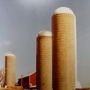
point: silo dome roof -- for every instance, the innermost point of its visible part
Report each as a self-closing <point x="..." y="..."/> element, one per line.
<point x="63" y="10"/>
<point x="9" y="54"/>
<point x="44" y="33"/>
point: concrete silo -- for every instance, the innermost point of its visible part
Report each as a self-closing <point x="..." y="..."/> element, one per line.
<point x="44" y="61"/>
<point x="64" y="49"/>
<point x="10" y="70"/>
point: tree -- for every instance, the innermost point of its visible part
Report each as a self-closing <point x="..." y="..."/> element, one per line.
<point x="2" y="76"/>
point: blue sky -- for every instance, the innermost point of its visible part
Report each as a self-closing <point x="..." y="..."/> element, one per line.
<point x="22" y="20"/>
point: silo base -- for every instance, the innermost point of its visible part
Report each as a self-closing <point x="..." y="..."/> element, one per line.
<point x="12" y="88"/>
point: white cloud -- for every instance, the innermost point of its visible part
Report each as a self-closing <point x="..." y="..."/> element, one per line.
<point x="79" y="62"/>
<point x="5" y="43"/>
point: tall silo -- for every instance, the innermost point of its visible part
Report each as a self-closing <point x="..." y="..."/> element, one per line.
<point x="64" y="49"/>
<point x="10" y="69"/>
<point x="44" y="61"/>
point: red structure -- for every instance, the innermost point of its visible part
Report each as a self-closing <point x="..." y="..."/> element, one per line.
<point x="28" y="81"/>
<point x="33" y="80"/>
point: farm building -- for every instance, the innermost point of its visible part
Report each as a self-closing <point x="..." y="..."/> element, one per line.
<point x="28" y="81"/>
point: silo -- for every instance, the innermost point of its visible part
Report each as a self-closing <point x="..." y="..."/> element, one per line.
<point x="64" y="49"/>
<point x="10" y="70"/>
<point x="44" y="61"/>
